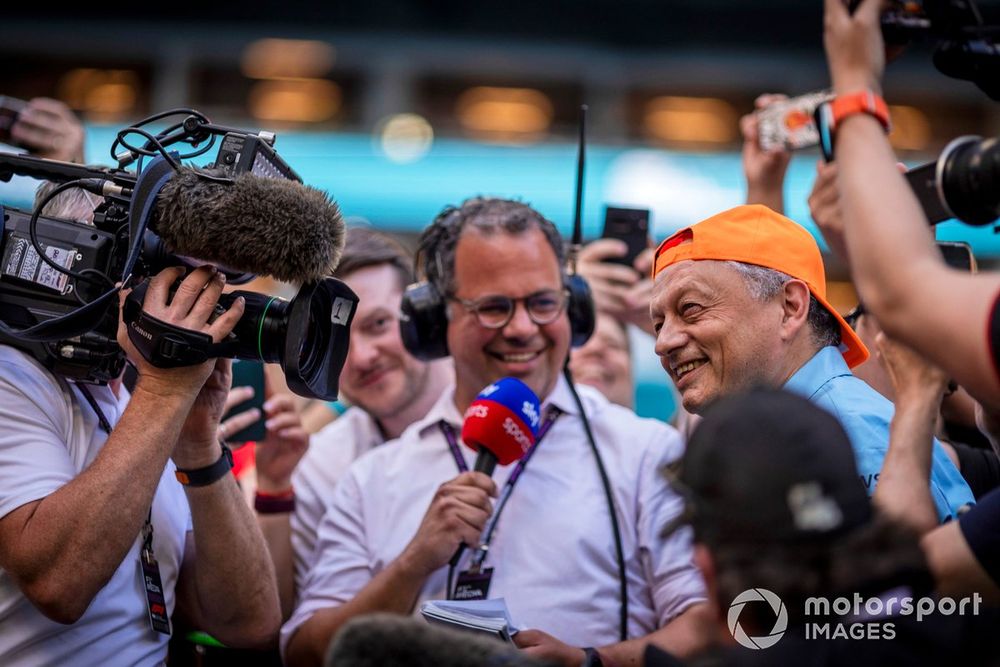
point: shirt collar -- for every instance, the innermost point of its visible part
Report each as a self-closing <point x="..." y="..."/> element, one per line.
<point x="824" y="365"/>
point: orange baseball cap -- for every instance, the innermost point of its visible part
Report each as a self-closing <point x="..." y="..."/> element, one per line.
<point x="754" y="234"/>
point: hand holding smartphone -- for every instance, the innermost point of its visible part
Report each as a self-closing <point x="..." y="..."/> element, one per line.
<point x="246" y="374"/>
<point x="630" y="225"/>
<point x="789" y="124"/>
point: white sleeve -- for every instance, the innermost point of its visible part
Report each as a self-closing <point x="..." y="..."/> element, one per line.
<point x="34" y="458"/>
<point x="676" y="581"/>
<point x="341" y="565"/>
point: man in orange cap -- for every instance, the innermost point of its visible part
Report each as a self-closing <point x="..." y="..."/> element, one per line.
<point x="739" y="301"/>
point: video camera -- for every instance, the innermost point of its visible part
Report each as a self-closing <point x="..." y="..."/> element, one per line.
<point x="966" y="48"/>
<point x="963" y="183"/>
<point x="58" y="279"/>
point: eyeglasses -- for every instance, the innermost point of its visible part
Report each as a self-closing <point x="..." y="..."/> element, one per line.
<point x="852" y="317"/>
<point x="496" y="311"/>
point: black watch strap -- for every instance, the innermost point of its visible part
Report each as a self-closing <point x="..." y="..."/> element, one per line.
<point x="592" y="657"/>
<point x="208" y="474"/>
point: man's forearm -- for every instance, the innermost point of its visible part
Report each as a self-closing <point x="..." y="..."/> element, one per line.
<point x="233" y="593"/>
<point x="903" y="489"/>
<point x="394" y="589"/>
<point x="68" y="545"/>
<point x="684" y="636"/>
<point x="277" y="532"/>
<point x="887" y="251"/>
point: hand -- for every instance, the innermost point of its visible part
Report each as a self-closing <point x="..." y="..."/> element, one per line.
<point x="240" y="420"/>
<point x="824" y="205"/>
<point x="912" y="375"/>
<point x="764" y="170"/>
<point x="854" y="48"/>
<point x="457" y="515"/>
<point x="284" y="445"/>
<point x="208" y="383"/>
<point x="544" y="646"/>
<point x="49" y="129"/>
<point x="618" y="290"/>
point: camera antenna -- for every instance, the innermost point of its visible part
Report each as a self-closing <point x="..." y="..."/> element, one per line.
<point x="576" y="242"/>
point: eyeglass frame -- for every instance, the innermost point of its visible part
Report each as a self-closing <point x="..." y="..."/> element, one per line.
<point x="473" y="305"/>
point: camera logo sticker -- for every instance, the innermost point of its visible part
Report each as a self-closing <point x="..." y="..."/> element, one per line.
<point x="757" y="595"/>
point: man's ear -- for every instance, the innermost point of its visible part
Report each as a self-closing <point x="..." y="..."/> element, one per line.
<point x="795" y="306"/>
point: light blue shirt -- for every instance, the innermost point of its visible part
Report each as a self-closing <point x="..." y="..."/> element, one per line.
<point x="865" y="414"/>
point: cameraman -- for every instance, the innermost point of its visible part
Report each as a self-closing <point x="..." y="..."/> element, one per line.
<point x="948" y="316"/>
<point x="88" y="489"/>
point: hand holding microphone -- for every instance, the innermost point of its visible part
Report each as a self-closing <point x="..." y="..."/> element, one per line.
<point x="501" y="425"/>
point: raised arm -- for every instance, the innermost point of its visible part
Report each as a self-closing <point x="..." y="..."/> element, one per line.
<point x="899" y="273"/>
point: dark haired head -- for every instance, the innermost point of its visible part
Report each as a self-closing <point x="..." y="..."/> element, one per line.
<point x="366" y="247"/>
<point x="488" y="216"/>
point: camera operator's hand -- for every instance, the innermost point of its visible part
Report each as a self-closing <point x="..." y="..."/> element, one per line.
<point x="764" y="170"/>
<point x="207" y="383"/>
<point x="49" y="129"/>
<point x="854" y="48"/>
<point x="284" y="445"/>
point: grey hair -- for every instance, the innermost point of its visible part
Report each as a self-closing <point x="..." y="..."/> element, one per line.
<point x="73" y="204"/>
<point x="489" y="216"/>
<point x="764" y="284"/>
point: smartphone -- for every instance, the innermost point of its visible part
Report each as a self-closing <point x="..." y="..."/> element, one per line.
<point x="958" y="255"/>
<point x="630" y="225"/>
<point x="248" y="374"/>
<point x="789" y="124"/>
<point x="10" y="109"/>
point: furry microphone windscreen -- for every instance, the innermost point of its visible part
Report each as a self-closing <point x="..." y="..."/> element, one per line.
<point x="267" y="226"/>
<point x="379" y="640"/>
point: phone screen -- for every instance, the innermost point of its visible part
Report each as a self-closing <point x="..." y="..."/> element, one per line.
<point x="249" y="374"/>
<point x="630" y="225"/>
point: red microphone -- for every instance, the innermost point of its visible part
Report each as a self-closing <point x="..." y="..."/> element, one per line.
<point x="501" y="424"/>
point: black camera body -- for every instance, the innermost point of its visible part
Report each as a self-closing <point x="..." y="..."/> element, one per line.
<point x="963" y="183"/>
<point x="966" y="48"/>
<point x="58" y="293"/>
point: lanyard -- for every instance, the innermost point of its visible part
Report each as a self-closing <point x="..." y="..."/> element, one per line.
<point x="456" y="452"/>
<point x="147" y="560"/>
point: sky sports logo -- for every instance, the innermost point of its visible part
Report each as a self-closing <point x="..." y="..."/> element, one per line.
<point x="856" y="617"/>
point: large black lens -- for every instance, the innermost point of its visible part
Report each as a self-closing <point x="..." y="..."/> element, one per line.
<point x="969" y="178"/>
<point x="308" y="336"/>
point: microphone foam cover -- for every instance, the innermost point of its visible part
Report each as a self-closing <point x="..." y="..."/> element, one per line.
<point x="504" y="419"/>
<point x="267" y="226"/>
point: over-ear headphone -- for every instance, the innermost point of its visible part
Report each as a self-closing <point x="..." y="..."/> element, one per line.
<point x="424" y="322"/>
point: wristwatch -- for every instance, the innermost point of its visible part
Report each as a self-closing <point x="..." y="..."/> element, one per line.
<point x="208" y="474"/>
<point x="591" y="657"/>
<point x="830" y="114"/>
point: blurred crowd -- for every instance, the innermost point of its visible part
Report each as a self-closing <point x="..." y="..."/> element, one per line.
<point x="826" y="493"/>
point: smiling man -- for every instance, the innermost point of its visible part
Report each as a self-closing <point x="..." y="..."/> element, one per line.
<point x="401" y="512"/>
<point x="387" y="388"/>
<point x="739" y="301"/>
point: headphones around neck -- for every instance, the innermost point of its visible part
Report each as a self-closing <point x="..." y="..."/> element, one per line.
<point x="424" y="322"/>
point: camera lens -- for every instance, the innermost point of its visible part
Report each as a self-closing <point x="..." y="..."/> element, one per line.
<point x="969" y="178"/>
<point x="308" y="336"/>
